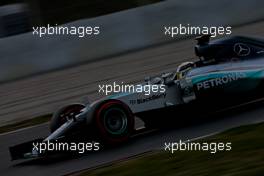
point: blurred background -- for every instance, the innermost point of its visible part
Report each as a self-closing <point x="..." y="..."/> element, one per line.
<point x="124" y="26"/>
<point x="18" y="16"/>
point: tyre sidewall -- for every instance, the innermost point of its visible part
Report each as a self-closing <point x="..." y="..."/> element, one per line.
<point x="104" y="135"/>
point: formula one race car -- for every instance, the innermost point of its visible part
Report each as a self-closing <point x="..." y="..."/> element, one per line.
<point x="229" y="71"/>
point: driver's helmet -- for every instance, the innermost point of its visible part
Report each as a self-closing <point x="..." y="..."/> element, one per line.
<point x="183" y="69"/>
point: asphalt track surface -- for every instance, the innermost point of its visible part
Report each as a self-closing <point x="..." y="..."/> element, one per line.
<point x="45" y="92"/>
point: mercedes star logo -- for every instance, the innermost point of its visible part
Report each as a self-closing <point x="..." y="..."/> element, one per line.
<point x="241" y="49"/>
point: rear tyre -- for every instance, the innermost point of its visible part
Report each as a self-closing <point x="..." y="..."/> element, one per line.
<point x="60" y="117"/>
<point x="114" y="122"/>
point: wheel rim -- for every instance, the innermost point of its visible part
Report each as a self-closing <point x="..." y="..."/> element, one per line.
<point x="115" y="121"/>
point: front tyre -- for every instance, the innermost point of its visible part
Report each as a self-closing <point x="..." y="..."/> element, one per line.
<point x="60" y="117"/>
<point x="114" y="122"/>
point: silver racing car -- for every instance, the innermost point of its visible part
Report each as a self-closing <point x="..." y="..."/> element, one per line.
<point x="229" y="71"/>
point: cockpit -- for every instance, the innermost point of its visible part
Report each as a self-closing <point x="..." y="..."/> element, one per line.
<point x="214" y="53"/>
